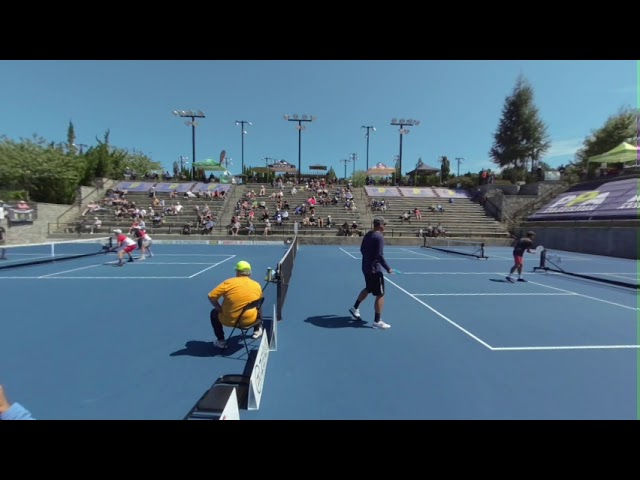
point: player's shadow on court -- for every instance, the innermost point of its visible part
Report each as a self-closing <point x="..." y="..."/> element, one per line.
<point x="333" y="321"/>
<point x="198" y="348"/>
<point x="499" y="280"/>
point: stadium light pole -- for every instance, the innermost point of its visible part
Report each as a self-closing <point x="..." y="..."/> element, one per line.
<point x="459" y="160"/>
<point x="192" y="114"/>
<point x="353" y="157"/>
<point x="368" y="127"/>
<point x="242" y="123"/>
<point x="403" y="131"/>
<point x="299" y="119"/>
<point x="345" y="161"/>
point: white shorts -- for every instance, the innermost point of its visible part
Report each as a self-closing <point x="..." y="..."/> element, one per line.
<point x="146" y="242"/>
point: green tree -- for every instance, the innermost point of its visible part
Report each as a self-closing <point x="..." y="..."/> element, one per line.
<point x="71" y="138"/>
<point x="618" y="128"/>
<point x="521" y="136"/>
<point x="445" y="168"/>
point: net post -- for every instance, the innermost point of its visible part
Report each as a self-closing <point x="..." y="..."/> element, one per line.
<point x="543" y="261"/>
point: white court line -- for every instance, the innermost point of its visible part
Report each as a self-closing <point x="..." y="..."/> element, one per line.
<point x="144" y="262"/>
<point x="453" y="273"/>
<point x="93" y="278"/>
<point x="418" y="253"/>
<point x="209" y="268"/>
<point x="568" y="347"/>
<point x="349" y="253"/>
<point x="190" y="255"/>
<point x="480" y="341"/>
<point x="67" y="271"/>
<point x="543" y="294"/>
<point x="584" y="296"/>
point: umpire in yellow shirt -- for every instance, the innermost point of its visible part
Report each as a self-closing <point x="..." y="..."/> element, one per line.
<point x="236" y="292"/>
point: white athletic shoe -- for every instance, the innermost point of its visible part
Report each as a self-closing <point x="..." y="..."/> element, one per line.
<point x="257" y="334"/>
<point x="219" y="343"/>
<point x="381" y="325"/>
<point x="355" y="312"/>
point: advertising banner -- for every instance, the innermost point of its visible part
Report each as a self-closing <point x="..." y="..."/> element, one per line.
<point x="611" y="200"/>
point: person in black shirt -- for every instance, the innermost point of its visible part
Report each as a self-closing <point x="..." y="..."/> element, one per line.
<point x="524" y="244"/>
<point x="373" y="263"/>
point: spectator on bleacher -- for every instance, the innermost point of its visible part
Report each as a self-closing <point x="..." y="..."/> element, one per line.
<point x="208" y="227"/>
<point x="329" y="221"/>
<point x="235" y="227"/>
<point x="263" y="191"/>
<point x="155" y="202"/>
<point x="173" y="194"/>
<point x="152" y="192"/>
<point x="285" y="214"/>
<point x="417" y="213"/>
<point x="267" y="227"/>
<point x="96" y="225"/>
<point x="439" y="209"/>
<point x="406" y="217"/>
<point x="278" y="218"/>
<point x="91" y="207"/>
<point x="294" y="190"/>
<point x="440" y="231"/>
<point x="177" y="208"/>
<point x="251" y="229"/>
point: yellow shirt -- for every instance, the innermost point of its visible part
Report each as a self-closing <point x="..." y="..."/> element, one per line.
<point x="237" y="292"/>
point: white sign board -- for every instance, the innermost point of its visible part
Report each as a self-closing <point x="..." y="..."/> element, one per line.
<point x="273" y="345"/>
<point x="258" y="373"/>
<point x="231" y="410"/>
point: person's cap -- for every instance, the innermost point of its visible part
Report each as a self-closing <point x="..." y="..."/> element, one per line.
<point x="379" y="221"/>
<point x="530" y="233"/>
<point x="243" y="266"/>
<point x="117" y="230"/>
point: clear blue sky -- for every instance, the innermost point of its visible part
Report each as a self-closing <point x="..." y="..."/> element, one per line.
<point x="457" y="102"/>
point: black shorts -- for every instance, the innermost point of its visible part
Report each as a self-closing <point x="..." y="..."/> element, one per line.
<point x="374" y="283"/>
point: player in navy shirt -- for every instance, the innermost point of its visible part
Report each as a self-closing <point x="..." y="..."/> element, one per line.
<point x="373" y="266"/>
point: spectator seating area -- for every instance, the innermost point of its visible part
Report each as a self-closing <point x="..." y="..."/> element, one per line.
<point x="335" y="216"/>
<point x="168" y="208"/>
<point x="459" y="216"/>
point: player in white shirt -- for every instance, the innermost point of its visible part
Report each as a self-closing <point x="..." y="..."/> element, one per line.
<point x="125" y="245"/>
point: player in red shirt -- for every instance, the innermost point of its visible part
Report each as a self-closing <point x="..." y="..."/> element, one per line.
<point x="125" y="245"/>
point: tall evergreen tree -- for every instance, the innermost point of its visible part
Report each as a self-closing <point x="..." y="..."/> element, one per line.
<point x="71" y="138"/>
<point x="521" y="136"/>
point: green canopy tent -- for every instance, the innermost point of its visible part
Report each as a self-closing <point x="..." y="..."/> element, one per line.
<point x="210" y="165"/>
<point x="624" y="153"/>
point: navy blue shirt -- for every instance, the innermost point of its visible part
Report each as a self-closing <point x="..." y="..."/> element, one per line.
<point x="522" y="244"/>
<point x="372" y="253"/>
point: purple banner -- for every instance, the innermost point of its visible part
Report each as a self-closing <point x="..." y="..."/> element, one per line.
<point x="382" y="191"/>
<point x="448" y="193"/>
<point x="610" y="200"/>
<point x="211" y="187"/>
<point x="424" y="192"/>
<point x="174" y="187"/>
<point x="135" y="186"/>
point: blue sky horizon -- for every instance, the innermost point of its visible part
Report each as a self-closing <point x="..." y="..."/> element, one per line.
<point x="457" y="102"/>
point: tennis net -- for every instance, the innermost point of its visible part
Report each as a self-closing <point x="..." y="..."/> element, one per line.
<point x="12" y="256"/>
<point x="284" y="271"/>
<point x="468" y="248"/>
<point x="576" y="266"/>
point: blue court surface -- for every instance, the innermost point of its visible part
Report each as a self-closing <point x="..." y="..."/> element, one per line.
<point x="84" y="340"/>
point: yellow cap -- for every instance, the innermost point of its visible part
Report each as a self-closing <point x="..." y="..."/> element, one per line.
<point x="243" y="266"/>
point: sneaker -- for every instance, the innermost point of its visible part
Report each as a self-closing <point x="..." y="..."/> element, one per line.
<point x="510" y="280"/>
<point x="381" y="325"/>
<point x="142" y="258"/>
<point x="521" y="280"/>
<point x="355" y="312"/>
<point x="219" y="343"/>
<point x="130" y="260"/>
<point x="257" y="334"/>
